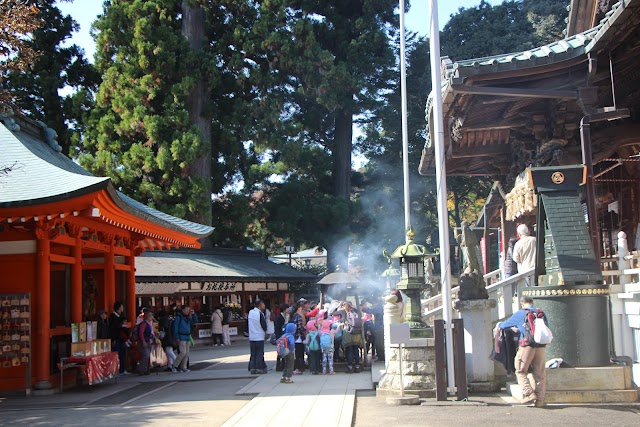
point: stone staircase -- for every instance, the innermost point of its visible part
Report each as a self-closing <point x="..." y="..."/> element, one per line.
<point x="611" y="384"/>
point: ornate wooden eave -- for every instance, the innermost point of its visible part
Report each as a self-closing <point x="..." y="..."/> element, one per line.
<point x="506" y="112"/>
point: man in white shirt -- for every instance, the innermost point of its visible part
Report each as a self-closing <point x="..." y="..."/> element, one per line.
<point x="524" y="251"/>
<point x="257" y="328"/>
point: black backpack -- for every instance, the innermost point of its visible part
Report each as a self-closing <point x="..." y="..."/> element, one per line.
<point x="355" y="325"/>
<point x="529" y="328"/>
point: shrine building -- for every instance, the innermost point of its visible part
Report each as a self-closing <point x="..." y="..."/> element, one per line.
<point x="68" y="242"/>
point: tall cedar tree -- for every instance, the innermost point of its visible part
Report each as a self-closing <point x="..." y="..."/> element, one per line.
<point x="36" y="89"/>
<point x="17" y="21"/>
<point x="163" y="99"/>
<point x="328" y="61"/>
<point x="474" y="32"/>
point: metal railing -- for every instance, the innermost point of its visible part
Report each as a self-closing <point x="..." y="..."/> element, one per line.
<point x="504" y="291"/>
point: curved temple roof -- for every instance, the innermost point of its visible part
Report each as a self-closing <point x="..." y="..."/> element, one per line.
<point x="455" y="75"/>
<point x="41" y="174"/>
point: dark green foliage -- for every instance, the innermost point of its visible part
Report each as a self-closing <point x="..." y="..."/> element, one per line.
<point x="315" y="64"/>
<point x="141" y="132"/>
<point x="512" y="26"/>
<point x="285" y="80"/>
<point x="36" y="91"/>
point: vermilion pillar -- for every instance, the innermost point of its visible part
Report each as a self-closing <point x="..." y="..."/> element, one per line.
<point x="109" y="279"/>
<point x="76" y="283"/>
<point x="41" y="354"/>
<point x="131" y="289"/>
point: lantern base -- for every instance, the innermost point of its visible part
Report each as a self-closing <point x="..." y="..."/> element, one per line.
<point x="419" y="330"/>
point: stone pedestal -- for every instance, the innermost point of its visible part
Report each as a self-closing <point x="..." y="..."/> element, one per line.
<point x="478" y="342"/>
<point x="413" y="313"/>
<point x="418" y="370"/>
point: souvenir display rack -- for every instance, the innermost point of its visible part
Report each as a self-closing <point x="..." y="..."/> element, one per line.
<point x="15" y="333"/>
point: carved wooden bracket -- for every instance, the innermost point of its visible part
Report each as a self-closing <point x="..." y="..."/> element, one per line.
<point x="74" y="230"/>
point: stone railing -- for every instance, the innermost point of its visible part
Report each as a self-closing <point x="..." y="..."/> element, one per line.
<point x="504" y="291"/>
<point x="622" y="272"/>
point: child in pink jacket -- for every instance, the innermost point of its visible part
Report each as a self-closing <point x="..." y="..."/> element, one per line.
<point x="314" y="351"/>
<point x="327" y="335"/>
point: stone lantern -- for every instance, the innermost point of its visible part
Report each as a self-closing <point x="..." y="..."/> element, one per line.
<point x="412" y="281"/>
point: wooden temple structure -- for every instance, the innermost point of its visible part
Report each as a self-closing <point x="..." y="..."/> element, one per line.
<point x="68" y="242"/>
<point x="505" y="113"/>
<point x="530" y="120"/>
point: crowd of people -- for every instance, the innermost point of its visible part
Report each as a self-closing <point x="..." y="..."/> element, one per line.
<point x="164" y="341"/>
<point x="318" y="336"/>
<point x="312" y="337"/>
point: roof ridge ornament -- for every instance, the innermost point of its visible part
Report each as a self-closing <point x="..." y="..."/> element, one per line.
<point x="6" y="117"/>
<point x="50" y="136"/>
<point x="411" y="234"/>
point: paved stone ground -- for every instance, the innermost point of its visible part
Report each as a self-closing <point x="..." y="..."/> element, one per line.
<point x="222" y="392"/>
<point x="488" y="410"/>
<point x="312" y="400"/>
<point x="201" y="397"/>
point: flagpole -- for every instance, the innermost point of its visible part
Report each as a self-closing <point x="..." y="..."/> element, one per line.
<point x="441" y="184"/>
<point x="405" y="131"/>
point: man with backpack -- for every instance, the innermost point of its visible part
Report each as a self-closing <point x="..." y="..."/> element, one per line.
<point x="529" y="353"/>
<point x="182" y="333"/>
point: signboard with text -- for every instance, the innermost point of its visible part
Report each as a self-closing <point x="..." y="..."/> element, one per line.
<point x="221" y="287"/>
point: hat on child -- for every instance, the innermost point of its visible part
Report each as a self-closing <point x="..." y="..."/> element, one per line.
<point x="326" y="326"/>
<point x="311" y="325"/>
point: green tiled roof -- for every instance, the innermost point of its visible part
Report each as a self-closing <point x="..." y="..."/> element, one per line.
<point x="559" y="51"/>
<point x="153" y="215"/>
<point x="41" y="174"/>
<point x="562" y="50"/>
<point x="212" y="265"/>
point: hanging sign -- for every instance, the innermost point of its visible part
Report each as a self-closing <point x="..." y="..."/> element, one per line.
<point x="223" y="287"/>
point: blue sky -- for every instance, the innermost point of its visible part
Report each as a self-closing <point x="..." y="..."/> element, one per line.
<point x="86" y="11"/>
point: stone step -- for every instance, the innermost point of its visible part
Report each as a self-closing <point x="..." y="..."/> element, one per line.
<point x="613" y="377"/>
<point x="580" y="396"/>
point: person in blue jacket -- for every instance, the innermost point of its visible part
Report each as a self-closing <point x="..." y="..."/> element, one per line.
<point x="182" y="334"/>
<point x="289" y="331"/>
<point x="528" y="356"/>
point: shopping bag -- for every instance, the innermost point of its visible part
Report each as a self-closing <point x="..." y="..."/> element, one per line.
<point x="158" y="357"/>
<point x="542" y="334"/>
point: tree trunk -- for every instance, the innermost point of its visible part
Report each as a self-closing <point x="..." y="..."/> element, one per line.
<point x="193" y="29"/>
<point x="338" y="250"/>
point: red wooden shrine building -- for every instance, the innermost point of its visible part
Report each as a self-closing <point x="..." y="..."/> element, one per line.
<point x="69" y="240"/>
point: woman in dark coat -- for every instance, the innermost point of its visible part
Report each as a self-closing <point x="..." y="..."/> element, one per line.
<point x="103" y="326"/>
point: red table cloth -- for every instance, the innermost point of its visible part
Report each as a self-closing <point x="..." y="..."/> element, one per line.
<point x="99" y="368"/>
